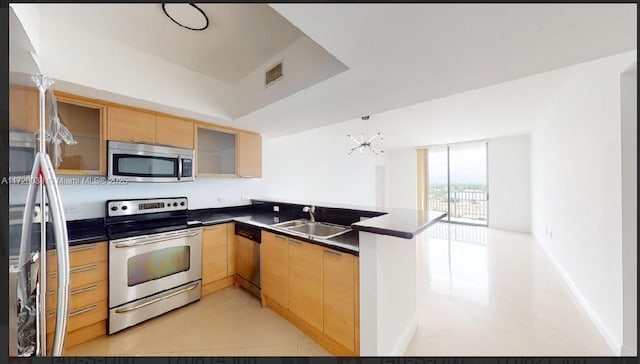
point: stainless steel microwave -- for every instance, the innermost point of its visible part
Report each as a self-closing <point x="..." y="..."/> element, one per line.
<point x="135" y="162"/>
<point x="22" y="151"/>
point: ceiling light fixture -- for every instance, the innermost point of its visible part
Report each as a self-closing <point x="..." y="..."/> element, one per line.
<point x="186" y="15"/>
<point x="365" y="143"/>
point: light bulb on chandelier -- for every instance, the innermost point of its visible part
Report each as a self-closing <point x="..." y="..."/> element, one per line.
<point x="365" y="143"/>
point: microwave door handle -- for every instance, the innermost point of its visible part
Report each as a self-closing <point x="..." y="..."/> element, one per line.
<point x="179" y="167"/>
<point x="62" y="252"/>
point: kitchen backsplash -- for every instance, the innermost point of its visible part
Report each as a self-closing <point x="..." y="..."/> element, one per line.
<point x="85" y="197"/>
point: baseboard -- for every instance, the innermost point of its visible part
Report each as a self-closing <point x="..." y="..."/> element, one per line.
<point x="626" y="351"/>
<point x="407" y="335"/>
<point x="613" y="344"/>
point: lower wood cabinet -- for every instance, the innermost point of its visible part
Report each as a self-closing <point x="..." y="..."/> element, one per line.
<point x="305" y="281"/>
<point x="315" y="288"/>
<point x="218" y="257"/>
<point x="88" y="287"/>
<point x="275" y="268"/>
<point x="339" y="282"/>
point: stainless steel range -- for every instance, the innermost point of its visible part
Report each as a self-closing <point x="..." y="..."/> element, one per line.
<point x="154" y="259"/>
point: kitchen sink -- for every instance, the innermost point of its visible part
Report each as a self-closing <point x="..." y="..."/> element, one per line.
<point x="292" y="223"/>
<point x="322" y="230"/>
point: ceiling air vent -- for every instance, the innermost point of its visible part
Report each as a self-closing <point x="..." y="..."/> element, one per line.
<point x="273" y="75"/>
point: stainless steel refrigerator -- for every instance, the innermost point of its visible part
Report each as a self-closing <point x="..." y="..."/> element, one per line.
<point x="35" y="223"/>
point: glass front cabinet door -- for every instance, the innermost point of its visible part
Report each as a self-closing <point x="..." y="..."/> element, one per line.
<point x="86" y="122"/>
<point x="216" y="153"/>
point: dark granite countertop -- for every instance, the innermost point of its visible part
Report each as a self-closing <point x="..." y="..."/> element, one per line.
<point x="79" y="232"/>
<point x="402" y="223"/>
<point x="347" y="242"/>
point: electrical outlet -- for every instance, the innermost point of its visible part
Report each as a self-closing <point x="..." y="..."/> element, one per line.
<point x="276" y="208"/>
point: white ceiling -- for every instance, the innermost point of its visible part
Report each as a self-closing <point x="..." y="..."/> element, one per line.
<point x="240" y="37"/>
<point x="403" y="54"/>
<point x="397" y="54"/>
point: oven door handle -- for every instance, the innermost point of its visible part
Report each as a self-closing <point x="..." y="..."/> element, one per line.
<point x="153" y="241"/>
<point x="133" y="308"/>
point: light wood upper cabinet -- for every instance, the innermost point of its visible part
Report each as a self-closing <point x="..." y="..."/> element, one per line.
<point x="215" y="152"/>
<point x="214" y="253"/>
<point x="86" y="122"/>
<point x="275" y="268"/>
<point x="24" y="111"/>
<point x="340" y="297"/>
<point x="249" y="155"/>
<point x="306" y="282"/>
<point x="174" y="132"/>
<point x="131" y="126"/>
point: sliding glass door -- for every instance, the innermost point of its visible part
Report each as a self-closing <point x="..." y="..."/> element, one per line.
<point x="457" y="182"/>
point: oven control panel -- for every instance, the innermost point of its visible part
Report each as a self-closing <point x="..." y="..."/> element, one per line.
<point x="145" y="206"/>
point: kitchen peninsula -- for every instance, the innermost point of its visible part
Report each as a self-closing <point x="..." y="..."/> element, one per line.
<point x="380" y="248"/>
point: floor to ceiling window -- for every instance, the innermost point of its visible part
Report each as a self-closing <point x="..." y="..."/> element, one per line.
<point x="456" y="182"/>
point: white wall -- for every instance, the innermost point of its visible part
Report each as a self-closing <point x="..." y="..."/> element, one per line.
<point x="629" y="133"/>
<point x="510" y="183"/>
<point x="388" y="298"/>
<point x="402" y="177"/>
<point x="576" y="186"/>
<point x="314" y="166"/>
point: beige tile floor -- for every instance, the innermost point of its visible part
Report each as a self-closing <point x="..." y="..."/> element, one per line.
<point x="495" y="294"/>
<point x="230" y="322"/>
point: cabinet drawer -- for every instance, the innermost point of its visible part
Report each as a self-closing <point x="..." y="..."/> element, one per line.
<point x="80" y="276"/>
<point x="79" y="255"/>
<point x="80" y="317"/>
<point x="81" y="296"/>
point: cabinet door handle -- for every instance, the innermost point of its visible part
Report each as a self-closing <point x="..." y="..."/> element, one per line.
<point x="76" y="270"/>
<point x="295" y="242"/>
<point x="76" y="291"/>
<point x="78" y="248"/>
<point x="84" y="269"/>
<point x="82" y="310"/>
<point x="158" y="299"/>
<point x="279" y="237"/>
<point x="333" y="254"/>
<point x="209" y="228"/>
<point x="85" y="289"/>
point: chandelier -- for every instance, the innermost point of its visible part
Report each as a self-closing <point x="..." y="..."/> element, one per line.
<point x="365" y="143"/>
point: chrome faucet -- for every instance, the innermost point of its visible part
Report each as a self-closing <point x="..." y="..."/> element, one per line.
<point x="310" y="209"/>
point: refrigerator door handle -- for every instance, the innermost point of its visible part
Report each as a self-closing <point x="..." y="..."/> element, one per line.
<point x="25" y="257"/>
<point x="62" y="248"/>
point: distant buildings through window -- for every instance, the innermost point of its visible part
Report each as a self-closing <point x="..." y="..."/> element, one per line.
<point x="457" y="182"/>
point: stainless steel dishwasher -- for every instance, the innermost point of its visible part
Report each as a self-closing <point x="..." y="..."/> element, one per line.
<point x="248" y="239"/>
